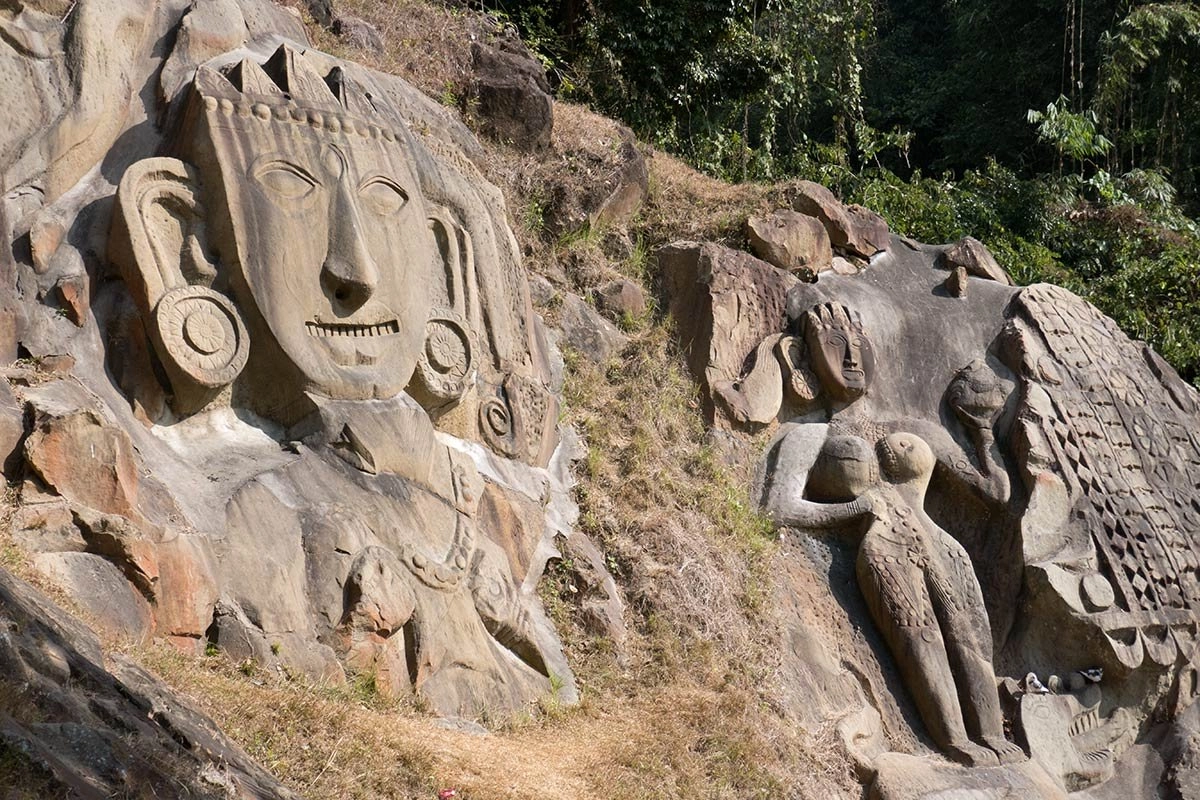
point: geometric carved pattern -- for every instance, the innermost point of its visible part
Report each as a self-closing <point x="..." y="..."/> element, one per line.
<point x="1131" y="456"/>
<point x="448" y="357"/>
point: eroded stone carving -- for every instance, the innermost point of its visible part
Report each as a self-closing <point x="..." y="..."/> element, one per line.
<point x="924" y="595"/>
<point x="1063" y="469"/>
<point x="327" y="355"/>
<point x="1108" y="445"/>
<point x="919" y="586"/>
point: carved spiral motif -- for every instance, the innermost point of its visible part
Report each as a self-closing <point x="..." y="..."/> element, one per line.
<point x="202" y="334"/>
<point x="448" y="357"/>
<point x="496" y="424"/>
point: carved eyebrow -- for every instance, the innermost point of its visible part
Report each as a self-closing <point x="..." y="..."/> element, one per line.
<point x="285" y="178"/>
<point x="383" y="193"/>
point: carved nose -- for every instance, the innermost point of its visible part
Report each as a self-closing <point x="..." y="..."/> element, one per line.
<point x="852" y="356"/>
<point x="349" y="274"/>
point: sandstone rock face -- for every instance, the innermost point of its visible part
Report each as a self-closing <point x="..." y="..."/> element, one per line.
<point x="621" y="299"/>
<point x="997" y="482"/>
<point x="973" y="257"/>
<point x="290" y="397"/>
<point x="725" y="303"/>
<point x="791" y="241"/>
<point x="106" y="480"/>
<point x="588" y="332"/>
<point x="513" y="96"/>
<point x="602" y="186"/>
<point x="857" y="230"/>
<point x="106" y="730"/>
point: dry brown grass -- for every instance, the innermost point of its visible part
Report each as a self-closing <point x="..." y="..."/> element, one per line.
<point x="687" y="710"/>
<point x="427" y="44"/>
<point x="679" y="740"/>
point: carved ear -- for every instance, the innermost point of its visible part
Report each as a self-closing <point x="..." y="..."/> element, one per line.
<point x="458" y="264"/>
<point x="158" y="243"/>
<point x="446" y="367"/>
<point x="799" y="379"/>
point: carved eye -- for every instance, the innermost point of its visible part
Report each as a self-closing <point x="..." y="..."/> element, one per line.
<point x="285" y="180"/>
<point x="382" y="195"/>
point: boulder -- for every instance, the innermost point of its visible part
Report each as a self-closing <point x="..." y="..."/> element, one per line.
<point x="99" y="586"/>
<point x="792" y="241"/>
<point x="359" y="32"/>
<point x="105" y="477"/>
<point x="187" y="590"/>
<point x="853" y="228"/>
<point x="97" y="726"/>
<point x="119" y="540"/>
<point x="725" y="303"/>
<point x="630" y="180"/>
<point x="12" y="427"/>
<point x="541" y="291"/>
<point x="72" y="294"/>
<point x="601" y="182"/>
<point x="585" y="330"/>
<point x="513" y="97"/>
<point x="620" y="299"/>
<point x="973" y="256"/>
<point x="868" y="233"/>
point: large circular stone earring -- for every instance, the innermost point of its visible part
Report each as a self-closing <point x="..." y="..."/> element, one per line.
<point x="203" y="337"/>
<point x="448" y="357"/>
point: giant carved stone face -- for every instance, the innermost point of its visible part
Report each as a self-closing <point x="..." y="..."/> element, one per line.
<point x="839" y="351"/>
<point x="334" y="251"/>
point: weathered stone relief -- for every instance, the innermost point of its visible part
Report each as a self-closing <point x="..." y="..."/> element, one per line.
<point x="303" y="362"/>
<point x="1014" y="482"/>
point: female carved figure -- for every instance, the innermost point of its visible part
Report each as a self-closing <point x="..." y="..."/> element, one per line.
<point x="842" y="360"/>
<point x="923" y="595"/>
<point x="920" y="588"/>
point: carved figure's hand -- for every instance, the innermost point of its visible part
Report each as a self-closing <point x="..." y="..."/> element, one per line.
<point x="872" y="502"/>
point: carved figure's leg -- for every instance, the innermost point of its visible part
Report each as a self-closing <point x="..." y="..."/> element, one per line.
<point x="895" y="593"/>
<point x="981" y="711"/>
<point x="958" y="603"/>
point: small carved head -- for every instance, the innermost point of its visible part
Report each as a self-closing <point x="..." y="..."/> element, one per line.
<point x="976" y="394"/>
<point x="905" y="457"/>
<point x="839" y="350"/>
<point x="845" y="468"/>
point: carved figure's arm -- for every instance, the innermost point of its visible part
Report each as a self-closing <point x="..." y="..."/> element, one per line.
<point x="989" y="480"/>
<point x="785" y="503"/>
<point x="801" y="513"/>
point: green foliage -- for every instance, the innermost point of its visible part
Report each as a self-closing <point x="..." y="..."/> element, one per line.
<point x="1074" y="135"/>
<point x="921" y="110"/>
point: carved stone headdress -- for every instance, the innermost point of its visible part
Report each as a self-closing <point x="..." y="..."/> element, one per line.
<point x="829" y="316"/>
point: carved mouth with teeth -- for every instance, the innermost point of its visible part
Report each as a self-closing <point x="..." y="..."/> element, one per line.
<point x="325" y="330"/>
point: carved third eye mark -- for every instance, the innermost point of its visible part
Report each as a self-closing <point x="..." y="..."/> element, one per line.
<point x="328" y="329"/>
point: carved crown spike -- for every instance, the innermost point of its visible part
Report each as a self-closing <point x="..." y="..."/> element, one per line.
<point x="350" y="94"/>
<point x="830" y="316"/>
<point x="210" y="83"/>
<point x="249" y="77"/>
<point x="292" y="73"/>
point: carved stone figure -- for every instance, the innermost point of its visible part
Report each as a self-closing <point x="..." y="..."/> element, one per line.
<point x="919" y="586"/>
<point x="310" y="347"/>
<point x="836" y="366"/>
<point x="293" y="254"/>
<point x="1064" y="473"/>
<point x="924" y="596"/>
